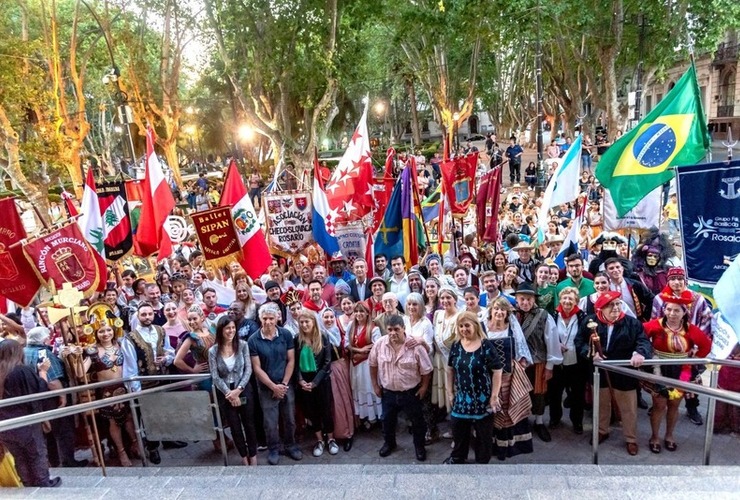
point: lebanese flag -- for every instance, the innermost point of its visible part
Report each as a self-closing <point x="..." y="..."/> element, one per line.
<point x="256" y="256"/>
<point x="350" y="189"/>
<point x="91" y="226"/>
<point x="156" y="204"/>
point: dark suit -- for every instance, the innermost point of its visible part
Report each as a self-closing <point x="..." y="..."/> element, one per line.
<point x="355" y="294"/>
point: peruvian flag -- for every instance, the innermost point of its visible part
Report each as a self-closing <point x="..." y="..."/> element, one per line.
<point x="156" y="204"/>
<point x="256" y="256"/>
<point x="350" y="189"/>
<point x="91" y="225"/>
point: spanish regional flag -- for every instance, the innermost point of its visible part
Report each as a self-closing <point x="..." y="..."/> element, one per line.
<point x="674" y="133"/>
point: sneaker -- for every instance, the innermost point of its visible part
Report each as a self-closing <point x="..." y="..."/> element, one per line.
<point x="261" y="447"/>
<point x="273" y="458"/>
<point x="297" y="454"/>
<point x="333" y="447"/>
<point x="318" y="450"/>
<point x="694" y="416"/>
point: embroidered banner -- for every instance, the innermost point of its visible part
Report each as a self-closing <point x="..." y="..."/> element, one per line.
<point x="18" y="282"/>
<point x="288" y="221"/>
<point x="114" y="205"/>
<point x="215" y="230"/>
<point x="64" y="256"/>
<point x="709" y="217"/>
<point x="352" y="241"/>
<point x="458" y="176"/>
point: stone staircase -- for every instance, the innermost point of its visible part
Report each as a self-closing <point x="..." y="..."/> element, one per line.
<point x="318" y="482"/>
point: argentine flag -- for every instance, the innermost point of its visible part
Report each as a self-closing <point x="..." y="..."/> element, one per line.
<point x="563" y="186"/>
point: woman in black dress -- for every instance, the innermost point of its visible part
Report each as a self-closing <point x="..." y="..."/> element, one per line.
<point x="27" y="444"/>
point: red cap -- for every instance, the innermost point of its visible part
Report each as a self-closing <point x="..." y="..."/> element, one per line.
<point x="607" y="297"/>
<point x="676" y="271"/>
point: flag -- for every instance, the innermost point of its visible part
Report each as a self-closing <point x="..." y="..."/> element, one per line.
<point x="91" y="219"/>
<point x="570" y="245"/>
<point x="487" y="205"/>
<point x="69" y="203"/>
<point x="370" y="255"/>
<point x="388" y="239"/>
<point x="389" y="156"/>
<point x="413" y="230"/>
<point x="349" y="192"/>
<point x="255" y="258"/>
<point x="644" y="215"/>
<point x="323" y="219"/>
<point x="726" y="319"/>
<point x="673" y="133"/>
<point x="458" y="177"/>
<point x="114" y="206"/>
<point x="431" y="204"/>
<point x="18" y="281"/>
<point x="156" y="204"/>
<point x="563" y="186"/>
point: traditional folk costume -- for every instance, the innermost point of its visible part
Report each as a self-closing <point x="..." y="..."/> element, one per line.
<point x="367" y="404"/>
<point x="444" y="336"/>
<point x="343" y="405"/>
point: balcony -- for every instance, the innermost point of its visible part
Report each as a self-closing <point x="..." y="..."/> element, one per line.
<point x="726" y="54"/>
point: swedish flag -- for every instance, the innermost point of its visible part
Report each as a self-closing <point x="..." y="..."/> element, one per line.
<point x="673" y="133"/>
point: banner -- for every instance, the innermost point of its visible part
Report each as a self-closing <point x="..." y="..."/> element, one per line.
<point x="645" y="215"/>
<point x="114" y="205"/>
<point x="18" y="281"/>
<point x="215" y="230"/>
<point x="487" y="205"/>
<point x="288" y="222"/>
<point x="709" y="215"/>
<point x="352" y="241"/>
<point x="458" y="176"/>
<point x="382" y="189"/>
<point x="64" y="256"/>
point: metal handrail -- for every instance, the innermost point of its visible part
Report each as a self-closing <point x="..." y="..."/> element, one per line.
<point x="713" y="394"/>
<point x="37" y="418"/>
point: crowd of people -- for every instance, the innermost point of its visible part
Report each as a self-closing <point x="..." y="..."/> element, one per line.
<point x="486" y="345"/>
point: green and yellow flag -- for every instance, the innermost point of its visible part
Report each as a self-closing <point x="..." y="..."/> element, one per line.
<point x="674" y="133"/>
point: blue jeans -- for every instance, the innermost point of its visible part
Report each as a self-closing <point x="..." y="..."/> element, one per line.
<point x="673" y="228"/>
<point x="395" y="401"/>
<point x="278" y="413"/>
<point x="586" y="162"/>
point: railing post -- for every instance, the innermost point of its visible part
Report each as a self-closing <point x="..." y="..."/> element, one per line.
<point x="595" y="416"/>
<point x="138" y="431"/>
<point x="220" y="426"/>
<point x="709" y="421"/>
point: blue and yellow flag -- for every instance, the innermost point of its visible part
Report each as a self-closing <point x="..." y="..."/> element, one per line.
<point x="673" y="133"/>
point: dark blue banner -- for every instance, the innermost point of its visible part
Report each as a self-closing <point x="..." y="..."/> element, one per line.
<point x="709" y="214"/>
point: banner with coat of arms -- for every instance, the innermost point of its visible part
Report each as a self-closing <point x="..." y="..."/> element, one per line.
<point x="215" y="230"/>
<point x="65" y="256"/>
<point x="288" y="222"/>
<point x="18" y="282"/>
<point x="458" y="176"/>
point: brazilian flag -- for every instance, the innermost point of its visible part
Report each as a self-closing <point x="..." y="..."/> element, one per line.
<point x="674" y="133"/>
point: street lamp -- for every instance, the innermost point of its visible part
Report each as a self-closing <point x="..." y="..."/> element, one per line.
<point x="246" y="133"/>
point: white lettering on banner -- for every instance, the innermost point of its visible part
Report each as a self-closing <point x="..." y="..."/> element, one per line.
<point x="288" y="221"/>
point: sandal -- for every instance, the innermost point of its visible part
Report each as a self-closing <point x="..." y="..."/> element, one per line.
<point x="670" y="445"/>
<point x="654" y="447"/>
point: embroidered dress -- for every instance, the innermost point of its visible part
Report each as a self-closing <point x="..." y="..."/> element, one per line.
<point x="444" y="334"/>
<point x="367" y="404"/>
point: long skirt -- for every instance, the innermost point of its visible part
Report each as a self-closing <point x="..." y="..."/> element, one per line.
<point x="512" y="434"/>
<point x="344" y="413"/>
<point x="367" y="404"/>
<point x="439" y="382"/>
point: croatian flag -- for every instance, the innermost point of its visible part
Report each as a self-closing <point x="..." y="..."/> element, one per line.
<point x="323" y="219"/>
<point x="563" y="186"/>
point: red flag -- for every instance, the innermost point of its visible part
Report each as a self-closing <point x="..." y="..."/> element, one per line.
<point x="156" y="204"/>
<point x="18" y="281"/>
<point x="389" y="156"/>
<point x="487" y="205"/>
<point x="458" y="178"/>
<point x="69" y="203"/>
<point x="256" y="256"/>
<point x="370" y="255"/>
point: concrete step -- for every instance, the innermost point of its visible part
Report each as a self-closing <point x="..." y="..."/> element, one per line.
<point x="530" y="481"/>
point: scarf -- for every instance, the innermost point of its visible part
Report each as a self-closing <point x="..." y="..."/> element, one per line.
<point x="601" y="317"/>
<point x="565" y="315"/>
<point x="306" y="361"/>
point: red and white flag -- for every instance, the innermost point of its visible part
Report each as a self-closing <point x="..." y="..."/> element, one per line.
<point x="91" y="220"/>
<point x="256" y="256"/>
<point x="69" y="203"/>
<point x="350" y="189"/>
<point x="156" y="204"/>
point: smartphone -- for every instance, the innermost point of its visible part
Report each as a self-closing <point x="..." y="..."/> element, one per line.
<point x="42" y="355"/>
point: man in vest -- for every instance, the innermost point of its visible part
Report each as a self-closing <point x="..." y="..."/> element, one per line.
<point x="544" y="345"/>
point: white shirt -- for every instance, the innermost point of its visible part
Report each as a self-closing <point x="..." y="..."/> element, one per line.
<point x="422" y="330"/>
<point x="130" y="366"/>
<point x="401" y="289"/>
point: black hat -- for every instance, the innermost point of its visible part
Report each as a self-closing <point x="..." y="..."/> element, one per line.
<point x="526" y="288"/>
<point x="271" y="284"/>
<point x="379" y="280"/>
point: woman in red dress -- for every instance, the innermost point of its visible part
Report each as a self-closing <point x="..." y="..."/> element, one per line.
<point x="673" y="337"/>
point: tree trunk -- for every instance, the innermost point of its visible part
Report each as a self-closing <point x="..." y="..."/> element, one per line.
<point x="170" y="154"/>
<point x="37" y="195"/>
<point x="415" y="128"/>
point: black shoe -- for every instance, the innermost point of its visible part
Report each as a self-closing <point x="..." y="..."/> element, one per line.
<point x="54" y="482"/>
<point x="554" y="424"/>
<point x="348" y="443"/>
<point x="578" y="428"/>
<point x="694" y="416"/>
<point x="173" y="445"/>
<point x="542" y="432"/>
<point x="77" y="463"/>
<point x="421" y="454"/>
<point x="641" y="403"/>
<point x="386" y="449"/>
<point x="154" y="457"/>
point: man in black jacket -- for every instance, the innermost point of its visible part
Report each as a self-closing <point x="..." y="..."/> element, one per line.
<point x="610" y="334"/>
<point x="359" y="286"/>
